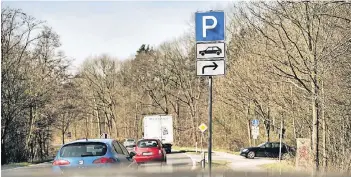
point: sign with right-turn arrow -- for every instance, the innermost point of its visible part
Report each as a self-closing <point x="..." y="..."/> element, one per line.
<point x="210" y="67"/>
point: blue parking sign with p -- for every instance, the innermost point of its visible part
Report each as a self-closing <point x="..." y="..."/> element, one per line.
<point x="255" y="122"/>
<point x="209" y="26"/>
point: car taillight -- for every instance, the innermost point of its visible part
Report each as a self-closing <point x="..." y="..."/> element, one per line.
<point x="60" y="162"/>
<point x="104" y="160"/>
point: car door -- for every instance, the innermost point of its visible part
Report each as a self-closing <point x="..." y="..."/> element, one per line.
<point x="284" y="148"/>
<point x="269" y="150"/>
<point x="275" y="149"/>
<point x="120" y="154"/>
<point x="262" y="151"/>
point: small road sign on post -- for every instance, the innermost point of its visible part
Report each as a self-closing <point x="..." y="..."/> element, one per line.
<point x="210" y="50"/>
<point x="210" y="67"/>
<point x="255" y="122"/>
<point x="255" y="131"/>
<point x="104" y="135"/>
<point x="203" y="127"/>
<point x="210" y="56"/>
<point x="69" y="135"/>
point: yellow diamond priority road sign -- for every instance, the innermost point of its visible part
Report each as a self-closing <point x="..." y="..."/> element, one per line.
<point x="203" y="127"/>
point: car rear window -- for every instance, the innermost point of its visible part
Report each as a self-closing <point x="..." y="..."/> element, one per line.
<point x="147" y="143"/>
<point x="83" y="149"/>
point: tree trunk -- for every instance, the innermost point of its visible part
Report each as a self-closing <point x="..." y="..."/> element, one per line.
<point x="63" y="136"/>
<point x="31" y="119"/>
<point x="3" y="152"/>
<point x="315" y="126"/>
<point x="324" y="127"/>
<point x="268" y="124"/>
<point x="249" y="131"/>
<point x="248" y="124"/>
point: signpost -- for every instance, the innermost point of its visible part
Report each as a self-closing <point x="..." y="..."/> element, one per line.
<point x="255" y="130"/>
<point x="210" y="56"/>
<point x="202" y="128"/>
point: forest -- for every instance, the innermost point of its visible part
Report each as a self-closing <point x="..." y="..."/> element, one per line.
<point x="287" y="62"/>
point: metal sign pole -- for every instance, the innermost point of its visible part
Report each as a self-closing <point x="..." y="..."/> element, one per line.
<point x="210" y="126"/>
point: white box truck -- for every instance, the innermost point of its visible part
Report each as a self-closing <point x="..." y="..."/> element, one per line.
<point x="159" y="127"/>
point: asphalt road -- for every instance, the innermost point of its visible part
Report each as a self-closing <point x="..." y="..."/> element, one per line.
<point x="178" y="165"/>
<point x="236" y="162"/>
<point x="175" y="162"/>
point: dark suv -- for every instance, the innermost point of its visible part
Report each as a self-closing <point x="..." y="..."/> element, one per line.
<point x="211" y="50"/>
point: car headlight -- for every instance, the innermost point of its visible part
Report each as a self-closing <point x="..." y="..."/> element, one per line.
<point x="245" y="150"/>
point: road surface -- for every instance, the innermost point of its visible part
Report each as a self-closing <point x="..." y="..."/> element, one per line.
<point x="178" y="164"/>
<point x="236" y="162"/>
<point x="176" y="161"/>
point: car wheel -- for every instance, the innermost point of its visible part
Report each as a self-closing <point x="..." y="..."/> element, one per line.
<point x="251" y="155"/>
<point x="218" y="53"/>
<point x="202" y="53"/>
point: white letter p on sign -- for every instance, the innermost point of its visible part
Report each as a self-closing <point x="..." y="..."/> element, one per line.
<point x="205" y="27"/>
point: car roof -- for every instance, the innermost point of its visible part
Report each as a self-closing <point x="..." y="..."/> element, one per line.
<point x="91" y="140"/>
<point x="148" y="140"/>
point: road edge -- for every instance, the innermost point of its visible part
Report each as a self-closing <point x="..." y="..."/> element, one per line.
<point x="193" y="160"/>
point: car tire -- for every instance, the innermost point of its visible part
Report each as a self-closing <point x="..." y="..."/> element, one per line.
<point x="251" y="155"/>
<point x="202" y="53"/>
<point x="218" y="53"/>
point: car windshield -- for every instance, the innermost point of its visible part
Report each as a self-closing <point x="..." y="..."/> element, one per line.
<point x="130" y="140"/>
<point x="83" y="149"/>
<point x="147" y="143"/>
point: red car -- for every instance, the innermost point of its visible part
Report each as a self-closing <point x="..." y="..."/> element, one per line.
<point x="150" y="150"/>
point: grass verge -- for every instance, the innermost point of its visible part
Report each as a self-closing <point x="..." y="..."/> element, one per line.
<point x="20" y="164"/>
<point x="216" y="165"/>
<point x="23" y="164"/>
<point x="283" y="166"/>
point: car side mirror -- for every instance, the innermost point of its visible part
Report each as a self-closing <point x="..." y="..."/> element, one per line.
<point x="132" y="154"/>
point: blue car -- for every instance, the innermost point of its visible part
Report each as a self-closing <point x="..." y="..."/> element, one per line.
<point x="87" y="153"/>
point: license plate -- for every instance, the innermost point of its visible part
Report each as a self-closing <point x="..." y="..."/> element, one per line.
<point x="147" y="153"/>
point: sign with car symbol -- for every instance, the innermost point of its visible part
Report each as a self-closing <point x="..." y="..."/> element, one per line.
<point x="210" y="50"/>
<point x="210" y="46"/>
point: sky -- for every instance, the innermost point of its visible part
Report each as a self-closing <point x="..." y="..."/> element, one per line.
<point x="116" y="28"/>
